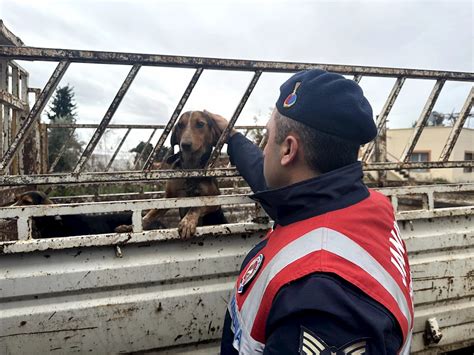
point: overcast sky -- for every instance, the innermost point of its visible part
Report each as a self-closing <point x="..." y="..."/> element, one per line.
<point x="410" y="34"/>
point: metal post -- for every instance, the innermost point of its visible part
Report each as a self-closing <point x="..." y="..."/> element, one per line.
<point x="223" y="138"/>
<point x="382" y="117"/>
<point x="61" y="151"/>
<point x="43" y="148"/>
<point x="173" y="119"/>
<point x="15" y="117"/>
<point x="34" y="114"/>
<point x="105" y="121"/>
<point x="457" y="127"/>
<point x="420" y="124"/>
<point x="139" y="157"/>
<point x="117" y="150"/>
<point x="5" y="114"/>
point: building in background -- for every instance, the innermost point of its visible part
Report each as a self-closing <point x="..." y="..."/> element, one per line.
<point x="429" y="148"/>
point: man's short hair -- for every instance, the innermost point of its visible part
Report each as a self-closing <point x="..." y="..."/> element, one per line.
<point x="322" y="152"/>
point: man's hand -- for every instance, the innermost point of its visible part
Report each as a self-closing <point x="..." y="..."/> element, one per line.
<point x="221" y="122"/>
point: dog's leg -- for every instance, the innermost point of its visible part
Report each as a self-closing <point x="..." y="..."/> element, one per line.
<point x="187" y="225"/>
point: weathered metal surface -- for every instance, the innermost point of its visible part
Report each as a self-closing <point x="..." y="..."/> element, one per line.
<point x="33" y="114"/>
<point x="4" y="109"/>
<point x="105" y="121"/>
<point x="457" y="127"/>
<point x="420" y="124"/>
<point x="225" y="133"/>
<point x="7" y="37"/>
<point x="43" y="148"/>
<point x="164" y="292"/>
<point x="131" y="126"/>
<point x="118" y="206"/>
<point x="100" y="57"/>
<point x="154" y="175"/>
<point x="382" y="117"/>
<point x="173" y="119"/>
<point x="117" y="150"/>
<point x="12" y="101"/>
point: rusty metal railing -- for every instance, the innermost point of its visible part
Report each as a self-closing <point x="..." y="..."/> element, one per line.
<point x="73" y="127"/>
<point x="65" y="57"/>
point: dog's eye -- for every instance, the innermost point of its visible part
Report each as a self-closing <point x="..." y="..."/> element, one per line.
<point x="181" y="125"/>
<point x="200" y="124"/>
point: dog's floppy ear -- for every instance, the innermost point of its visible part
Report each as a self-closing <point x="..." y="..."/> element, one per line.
<point x="215" y="131"/>
<point x="174" y="136"/>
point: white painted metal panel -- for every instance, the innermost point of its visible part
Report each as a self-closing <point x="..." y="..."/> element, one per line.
<point x="170" y="295"/>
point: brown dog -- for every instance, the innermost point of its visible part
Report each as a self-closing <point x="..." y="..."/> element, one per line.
<point x="195" y="134"/>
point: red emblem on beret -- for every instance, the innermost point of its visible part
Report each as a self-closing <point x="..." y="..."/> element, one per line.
<point x="291" y="99"/>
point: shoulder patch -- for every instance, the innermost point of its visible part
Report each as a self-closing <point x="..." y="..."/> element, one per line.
<point x="311" y="344"/>
<point x="250" y="272"/>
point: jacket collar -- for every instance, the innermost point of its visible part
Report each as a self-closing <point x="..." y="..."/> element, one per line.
<point x="328" y="192"/>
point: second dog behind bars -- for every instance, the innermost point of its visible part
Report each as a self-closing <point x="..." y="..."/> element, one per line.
<point x="195" y="134"/>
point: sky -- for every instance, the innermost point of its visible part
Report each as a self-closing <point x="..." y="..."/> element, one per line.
<point x="406" y="34"/>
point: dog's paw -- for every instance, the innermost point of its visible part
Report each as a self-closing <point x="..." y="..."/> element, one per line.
<point x="124" y="229"/>
<point x="187" y="227"/>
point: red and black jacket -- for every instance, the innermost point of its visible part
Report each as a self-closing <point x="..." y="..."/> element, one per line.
<point x="332" y="276"/>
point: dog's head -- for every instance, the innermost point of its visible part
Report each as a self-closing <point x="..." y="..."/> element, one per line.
<point x="32" y="198"/>
<point x="195" y="133"/>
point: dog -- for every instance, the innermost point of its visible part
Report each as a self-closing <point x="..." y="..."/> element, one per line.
<point x="69" y="225"/>
<point x="196" y="134"/>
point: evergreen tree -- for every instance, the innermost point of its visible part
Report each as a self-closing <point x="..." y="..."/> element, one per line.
<point x="147" y="149"/>
<point x="62" y="110"/>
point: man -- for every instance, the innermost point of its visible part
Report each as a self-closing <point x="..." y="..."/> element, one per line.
<point x="332" y="276"/>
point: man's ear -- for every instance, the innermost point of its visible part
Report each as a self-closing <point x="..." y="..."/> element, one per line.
<point x="289" y="150"/>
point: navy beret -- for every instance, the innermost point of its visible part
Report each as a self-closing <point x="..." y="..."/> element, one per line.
<point x="329" y="103"/>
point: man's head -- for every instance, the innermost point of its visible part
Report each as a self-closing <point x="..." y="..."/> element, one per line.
<point x="319" y="123"/>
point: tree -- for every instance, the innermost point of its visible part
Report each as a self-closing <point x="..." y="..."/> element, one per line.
<point x="63" y="110"/>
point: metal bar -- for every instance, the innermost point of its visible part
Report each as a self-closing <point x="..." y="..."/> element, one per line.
<point x="107" y="117"/>
<point x="24" y="228"/>
<point x="117" y="150"/>
<point x="61" y="151"/>
<point x="223" y="138"/>
<point x="357" y="78"/>
<point x="122" y="126"/>
<point x="34" y="114"/>
<point x="15" y="119"/>
<point x="173" y="119"/>
<point x="43" y="148"/>
<point x="110" y="126"/>
<point x="137" y="162"/>
<point x="457" y="127"/>
<point x="24" y="87"/>
<point x="122" y="206"/>
<point x="100" y="57"/>
<point x="382" y="118"/>
<point x="420" y="124"/>
<point x="5" y="109"/>
<point x="10" y="100"/>
<point x="124" y="238"/>
<point x="156" y="175"/>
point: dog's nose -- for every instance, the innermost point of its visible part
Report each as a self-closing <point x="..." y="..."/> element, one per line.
<point x="186" y="146"/>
